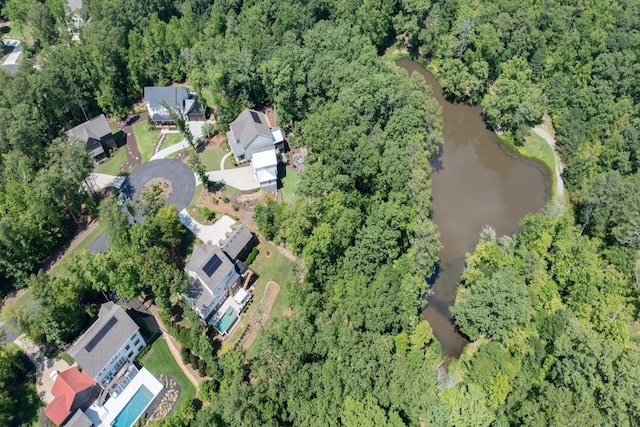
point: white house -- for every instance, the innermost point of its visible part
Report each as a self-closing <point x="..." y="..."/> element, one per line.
<point x="109" y="343"/>
<point x="265" y="168"/>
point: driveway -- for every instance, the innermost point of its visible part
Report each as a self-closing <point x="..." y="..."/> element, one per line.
<point x="183" y="184"/>
<point x="208" y="233"/>
<point x="11" y="61"/>
<point x="241" y="178"/>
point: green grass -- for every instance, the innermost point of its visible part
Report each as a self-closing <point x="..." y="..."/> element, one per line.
<point x="289" y="185"/>
<point x="208" y="95"/>
<point x="171" y="139"/>
<point x="113" y="165"/>
<point x="536" y="148"/>
<point x="65" y="356"/>
<point x="161" y="361"/>
<point x="230" y="163"/>
<point x="17" y="31"/>
<point x="211" y="158"/>
<point x="146" y="139"/>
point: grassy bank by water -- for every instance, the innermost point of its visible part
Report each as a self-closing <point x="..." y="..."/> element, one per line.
<point x="536" y="149"/>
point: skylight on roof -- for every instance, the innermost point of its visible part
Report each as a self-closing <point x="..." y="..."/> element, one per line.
<point x="255" y="116"/>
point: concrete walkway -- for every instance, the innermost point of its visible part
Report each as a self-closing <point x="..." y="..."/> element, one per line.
<point x="241" y="178"/>
<point x="207" y="233"/>
<point x="224" y="158"/>
<point x="549" y="139"/>
<point x="44" y="367"/>
<point x="170" y="150"/>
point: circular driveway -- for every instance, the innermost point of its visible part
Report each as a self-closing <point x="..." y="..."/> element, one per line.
<point x="183" y="185"/>
<point x="183" y="181"/>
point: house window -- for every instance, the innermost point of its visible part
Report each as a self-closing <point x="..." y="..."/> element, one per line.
<point x="130" y="355"/>
<point x="241" y="157"/>
<point x="137" y="342"/>
<point x="140" y="348"/>
<point x="127" y="347"/>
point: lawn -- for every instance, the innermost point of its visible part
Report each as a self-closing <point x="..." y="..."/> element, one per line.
<point x="113" y="165"/>
<point x="211" y="158"/>
<point x="146" y="139"/>
<point x="161" y="361"/>
<point x="171" y="139"/>
<point x="276" y="267"/>
<point x="536" y="148"/>
<point x="289" y="180"/>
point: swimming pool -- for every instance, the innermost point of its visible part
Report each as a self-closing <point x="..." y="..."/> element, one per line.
<point x="133" y="409"/>
<point x="227" y="320"/>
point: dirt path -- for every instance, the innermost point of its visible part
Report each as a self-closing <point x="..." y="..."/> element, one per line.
<point x="56" y="258"/>
<point x="549" y="139"/>
<point x="134" y="158"/>
<point x="261" y="314"/>
<point x="175" y="348"/>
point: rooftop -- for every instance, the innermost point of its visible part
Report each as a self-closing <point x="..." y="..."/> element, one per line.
<point x="174" y="97"/>
<point x="95" y="128"/>
<point x="248" y="125"/>
<point x="65" y="388"/>
<point x="236" y="241"/>
<point x="95" y="348"/>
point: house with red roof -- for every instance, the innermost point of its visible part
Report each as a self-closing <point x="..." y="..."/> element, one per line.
<point x="72" y="390"/>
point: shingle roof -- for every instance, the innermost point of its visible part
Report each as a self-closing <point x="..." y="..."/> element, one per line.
<point x="236" y="241"/>
<point x="249" y="125"/>
<point x="65" y="388"/>
<point x="215" y="270"/>
<point x="174" y="97"/>
<point x="95" y="128"/>
<point x="95" y="348"/>
<point x="79" y="419"/>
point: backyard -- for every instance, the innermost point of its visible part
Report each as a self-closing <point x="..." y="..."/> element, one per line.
<point x="160" y="361"/>
<point x="270" y="265"/>
<point x="289" y="180"/>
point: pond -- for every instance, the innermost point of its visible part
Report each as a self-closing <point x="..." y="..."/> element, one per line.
<point x="476" y="182"/>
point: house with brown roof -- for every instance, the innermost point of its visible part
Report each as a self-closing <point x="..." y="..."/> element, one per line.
<point x="73" y="391"/>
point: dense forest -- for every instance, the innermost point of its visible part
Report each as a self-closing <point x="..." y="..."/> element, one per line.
<point x="552" y="312"/>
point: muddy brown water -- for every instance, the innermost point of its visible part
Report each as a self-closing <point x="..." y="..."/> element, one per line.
<point x="475" y="182"/>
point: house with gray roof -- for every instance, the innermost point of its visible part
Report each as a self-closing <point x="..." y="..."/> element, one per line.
<point x="109" y="344"/>
<point x="213" y="277"/>
<point x="238" y="242"/>
<point x="250" y="133"/>
<point x="97" y="137"/>
<point x="79" y="419"/>
<point x="178" y="99"/>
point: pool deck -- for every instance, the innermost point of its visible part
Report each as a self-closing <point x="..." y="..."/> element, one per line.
<point x="103" y="416"/>
<point x="229" y="302"/>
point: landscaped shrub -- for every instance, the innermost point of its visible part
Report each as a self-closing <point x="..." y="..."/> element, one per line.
<point x="235" y="207"/>
<point x="225" y="199"/>
<point x="252" y="255"/>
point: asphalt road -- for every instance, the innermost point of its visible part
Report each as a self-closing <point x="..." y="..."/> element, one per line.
<point x="183" y="184"/>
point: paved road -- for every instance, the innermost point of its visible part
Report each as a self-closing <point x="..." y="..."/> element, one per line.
<point x="183" y="185"/>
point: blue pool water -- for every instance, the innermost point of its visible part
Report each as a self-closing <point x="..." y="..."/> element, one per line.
<point x="133" y="408"/>
<point x="227" y="320"/>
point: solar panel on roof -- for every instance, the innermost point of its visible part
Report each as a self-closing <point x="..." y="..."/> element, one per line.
<point x="255" y="116"/>
<point x="212" y="265"/>
<point x="101" y="333"/>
